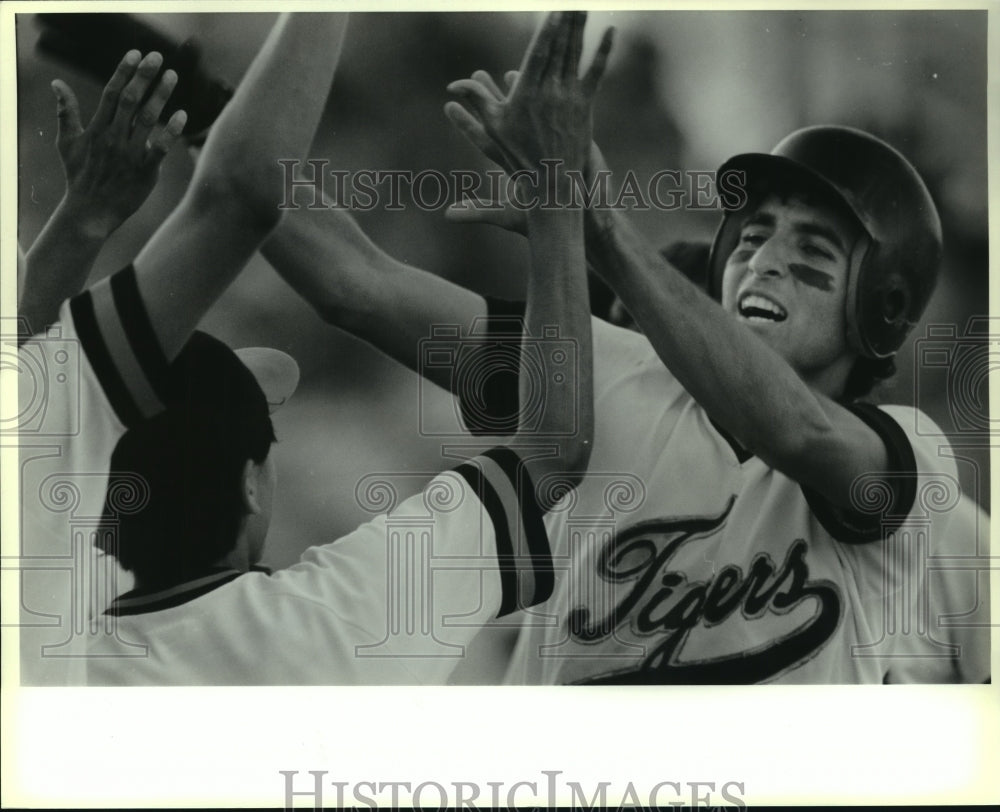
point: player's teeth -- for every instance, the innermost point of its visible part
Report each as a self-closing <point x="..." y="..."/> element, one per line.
<point x="754" y="302"/>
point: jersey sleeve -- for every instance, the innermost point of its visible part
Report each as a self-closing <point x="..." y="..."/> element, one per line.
<point x="412" y="587"/>
<point x="908" y="589"/>
<point x="953" y="646"/>
<point x="80" y="385"/>
<point x="948" y="637"/>
<point x="899" y="481"/>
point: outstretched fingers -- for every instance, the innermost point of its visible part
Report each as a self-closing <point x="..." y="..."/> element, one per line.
<point x="573" y="36"/>
<point x="147" y="117"/>
<point x="478" y="97"/>
<point x="538" y="59"/>
<point x="592" y="78"/>
<point x="160" y="144"/>
<point x="472" y="128"/>
<point x="105" y="112"/>
<point x="67" y="112"/>
<point x="134" y="91"/>
<point x="486" y="80"/>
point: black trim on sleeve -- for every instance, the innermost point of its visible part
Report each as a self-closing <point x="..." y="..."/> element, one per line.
<point x="135" y="321"/>
<point x="117" y="393"/>
<point x="495" y="410"/>
<point x="857" y="527"/>
<point x="505" y="547"/>
<point x="531" y="518"/>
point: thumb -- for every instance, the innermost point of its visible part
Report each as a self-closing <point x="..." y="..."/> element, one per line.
<point x="67" y="111"/>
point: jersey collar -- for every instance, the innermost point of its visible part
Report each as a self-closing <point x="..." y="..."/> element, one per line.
<point x="138" y="602"/>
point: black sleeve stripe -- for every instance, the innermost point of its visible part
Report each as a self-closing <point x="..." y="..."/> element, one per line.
<point x="85" y="322"/>
<point x="902" y="462"/>
<point x="504" y="488"/>
<point x="142" y="339"/>
<point x="493" y="408"/>
<point x="855" y="527"/>
<point x="505" y="550"/>
<point x="531" y="520"/>
<point x="521" y="559"/>
<point x="122" y="353"/>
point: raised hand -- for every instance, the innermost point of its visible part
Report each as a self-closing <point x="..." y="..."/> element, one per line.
<point x="547" y="113"/>
<point x="112" y="164"/>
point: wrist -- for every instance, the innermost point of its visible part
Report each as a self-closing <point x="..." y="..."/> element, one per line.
<point x="85" y="221"/>
<point x="564" y="218"/>
<point x="600" y="228"/>
<point x="555" y="193"/>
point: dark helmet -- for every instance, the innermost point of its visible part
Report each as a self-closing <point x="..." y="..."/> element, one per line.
<point x="892" y="272"/>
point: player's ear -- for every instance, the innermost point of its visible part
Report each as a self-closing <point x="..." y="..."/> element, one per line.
<point x="250" y="487"/>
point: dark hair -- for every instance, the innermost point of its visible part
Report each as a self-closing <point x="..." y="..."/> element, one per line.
<point x="189" y="460"/>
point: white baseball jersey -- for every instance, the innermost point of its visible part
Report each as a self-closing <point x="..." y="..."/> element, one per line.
<point x="951" y="641"/>
<point x="683" y="559"/>
<point x="394" y="602"/>
<point x="80" y="385"/>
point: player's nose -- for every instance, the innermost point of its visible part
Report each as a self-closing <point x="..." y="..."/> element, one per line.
<point x="769" y="260"/>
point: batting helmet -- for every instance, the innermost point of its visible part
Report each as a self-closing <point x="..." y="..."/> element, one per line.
<point x="893" y="270"/>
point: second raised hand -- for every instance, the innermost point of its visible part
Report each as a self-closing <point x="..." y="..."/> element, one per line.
<point x="112" y="165"/>
<point x="547" y="113"/>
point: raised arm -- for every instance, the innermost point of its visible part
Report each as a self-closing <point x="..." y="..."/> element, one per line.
<point x="548" y="115"/>
<point x="356" y="286"/>
<point x="111" y="166"/>
<point x="232" y="202"/>
<point x="741" y="382"/>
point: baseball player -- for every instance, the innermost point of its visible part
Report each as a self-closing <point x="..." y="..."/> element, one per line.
<point x="367" y="282"/>
<point x="767" y="561"/>
<point x="106" y="365"/>
<point x="189" y="500"/>
<point x="771" y="510"/>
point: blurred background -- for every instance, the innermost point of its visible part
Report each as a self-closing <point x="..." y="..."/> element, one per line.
<point x="684" y="90"/>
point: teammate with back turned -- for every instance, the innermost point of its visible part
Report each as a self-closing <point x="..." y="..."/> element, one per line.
<point x="189" y="495"/>
<point x="107" y="365"/>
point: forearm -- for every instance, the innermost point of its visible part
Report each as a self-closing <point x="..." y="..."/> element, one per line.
<point x="558" y="297"/>
<point x="740" y="381"/>
<point x="58" y="263"/>
<point x="274" y="112"/>
<point x="356" y="286"/>
<point x="232" y="201"/>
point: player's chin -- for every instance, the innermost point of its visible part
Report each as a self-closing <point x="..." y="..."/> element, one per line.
<point x="764" y="326"/>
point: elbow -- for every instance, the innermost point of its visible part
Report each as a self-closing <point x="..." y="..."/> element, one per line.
<point x="223" y="193"/>
<point x="576" y="467"/>
<point x="576" y="452"/>
<point x="796" y="450"/>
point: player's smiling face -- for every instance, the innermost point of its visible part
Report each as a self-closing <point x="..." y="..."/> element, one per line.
<point x="787" y="281"/>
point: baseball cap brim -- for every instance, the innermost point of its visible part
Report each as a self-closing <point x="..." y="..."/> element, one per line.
<point x="276" y="373"/>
